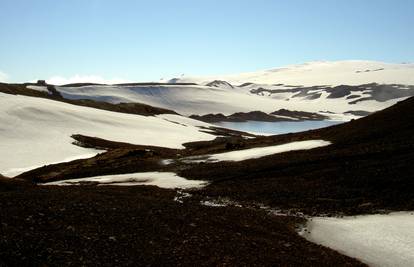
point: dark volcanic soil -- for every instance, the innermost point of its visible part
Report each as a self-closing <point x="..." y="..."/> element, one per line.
<point x="367" y="169"/>
<point x="143" y="226"/>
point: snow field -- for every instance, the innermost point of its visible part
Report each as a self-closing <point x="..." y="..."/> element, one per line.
<point x="378" y="240"/>
<point x="35" y="131"/>
<point x="160" y="179"/>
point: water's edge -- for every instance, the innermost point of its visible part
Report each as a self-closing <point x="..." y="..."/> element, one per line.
<point x="270" y="128"/>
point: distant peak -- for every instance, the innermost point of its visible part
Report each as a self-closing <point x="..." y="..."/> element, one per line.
<point x="219" y="83"/>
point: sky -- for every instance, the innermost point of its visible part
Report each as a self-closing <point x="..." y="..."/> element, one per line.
<point x="133" y="40"/>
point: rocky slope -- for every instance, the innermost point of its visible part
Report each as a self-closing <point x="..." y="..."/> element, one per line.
<point x="144" y="226"/>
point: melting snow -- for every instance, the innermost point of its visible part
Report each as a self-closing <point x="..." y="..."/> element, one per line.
<point x="212" y="204"/>
<point x="219" y="202"/>
<point x="160" y="179"/>
<point x="378" y="240"/>
<point x="181" y="196"/>
<point x="258" y="152"/>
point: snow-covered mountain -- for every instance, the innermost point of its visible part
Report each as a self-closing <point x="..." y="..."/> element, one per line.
<point x="200" y="100"/>
<point x="184" y="99"/>
<point x="311" y="87"/>
<point x="349" y="72"/>
<point x="36" y="131"/>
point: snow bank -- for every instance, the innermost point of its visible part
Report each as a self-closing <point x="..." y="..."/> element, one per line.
<point x="259" y="152"/>
<point x="378" y="240"/>
<point x="35" y="131"/>
<point x="160" y="179"/>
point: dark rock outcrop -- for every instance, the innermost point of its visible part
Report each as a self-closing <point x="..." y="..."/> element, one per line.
<point x="358" y="93"/>
<point x="237" y="117"/>
<point x="300" y="115"/>
<point x="279" y="115"/>
<point x="218" y="83"/>
<point x="361" y="113"/>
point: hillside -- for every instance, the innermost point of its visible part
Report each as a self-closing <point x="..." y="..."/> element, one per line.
<point x="366" y="169"/>
<point x="37" y="131"/>
<point x="341" y="90"/>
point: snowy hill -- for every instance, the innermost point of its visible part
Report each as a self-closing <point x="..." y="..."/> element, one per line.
<point x="200" y="100"/>
<point x="184" y="99"/>
<point x="350" y="72"/>
<point x="36" y="131"/>
<point x="311" y="87"/>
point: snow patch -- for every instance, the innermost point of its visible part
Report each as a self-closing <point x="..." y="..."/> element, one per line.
<point x="258" y="152"/>
<point x="160" y="179"/>
<point x="378" y="240"/>
<point x="219" y="202"/>
<point x="166" y="162"/>
<point x="181" y="196"/>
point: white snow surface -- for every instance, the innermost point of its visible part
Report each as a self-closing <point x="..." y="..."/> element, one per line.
<point x="36" y="132"/>
<point x="197" y="99"/>
<point x="160" y="179"/>
<point x="258" y="152"/>
<point x="378" y="240"/>
<point x="184" y="99"/>
<point x="222" y="97"/>
<point x="347" y="72"/>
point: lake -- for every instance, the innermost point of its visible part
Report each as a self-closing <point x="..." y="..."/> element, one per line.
<point x="282" y="127"/>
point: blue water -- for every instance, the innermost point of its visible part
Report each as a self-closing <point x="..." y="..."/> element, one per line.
<point x="260" y="127"/>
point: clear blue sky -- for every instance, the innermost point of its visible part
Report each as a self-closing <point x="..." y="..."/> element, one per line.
<point x="147" y="40"/>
